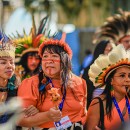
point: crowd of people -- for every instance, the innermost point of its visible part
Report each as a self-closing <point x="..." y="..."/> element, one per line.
<point x="54" y="98"/>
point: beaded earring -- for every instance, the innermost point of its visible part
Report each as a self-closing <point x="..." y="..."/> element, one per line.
<point x="112" y="91"/>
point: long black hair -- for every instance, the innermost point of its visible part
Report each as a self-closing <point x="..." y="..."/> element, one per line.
<point x="65" y="64"/>
<point x="107" y="92"/>
<point x="99" y="49"/>
<point x="23" y="62"/>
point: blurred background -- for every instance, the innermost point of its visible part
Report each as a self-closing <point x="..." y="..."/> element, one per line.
<point x="78" y="18"/>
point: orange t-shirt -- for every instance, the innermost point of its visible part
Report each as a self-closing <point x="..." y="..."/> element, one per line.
<point x="75" y="109"/>
<point x="115" y="123"/>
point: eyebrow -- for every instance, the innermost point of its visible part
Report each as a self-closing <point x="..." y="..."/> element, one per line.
<point x="2" y="59"/>
<point x="6" y="59"/>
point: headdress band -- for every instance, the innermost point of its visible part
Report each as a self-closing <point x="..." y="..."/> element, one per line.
<point x="60" y="42"/>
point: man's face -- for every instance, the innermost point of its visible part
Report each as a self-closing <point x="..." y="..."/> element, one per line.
<point x="125" y="41"/>
<point x="33" y="62"/>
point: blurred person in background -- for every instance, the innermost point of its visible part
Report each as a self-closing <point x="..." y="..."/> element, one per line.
<point x="27" y="52"/>
<point x="116" y="29"/>
<point x="86" y="61"/>
<point x="104" y="47"/>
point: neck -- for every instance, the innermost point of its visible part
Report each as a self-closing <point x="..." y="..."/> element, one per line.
<point x="31" y="73"/>
<point x="118" y="96"/>
<point x="3" y="82"/>
<point x="56" y="78"/>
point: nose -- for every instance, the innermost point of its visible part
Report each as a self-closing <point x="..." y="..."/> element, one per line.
<point x="127" y="79"/>
<point x="50" y="60"/>
<point x="127" y="45"/>
<point x="9" y="65"/>
<point x="33" y="59"/>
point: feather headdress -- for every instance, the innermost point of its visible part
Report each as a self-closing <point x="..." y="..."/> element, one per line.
<point x="54" y="41"/>
<point x="114" y="28"/>
<point x="105" y="64"/>
<point x="31" y="42"/>
<point x="7" y="47"/>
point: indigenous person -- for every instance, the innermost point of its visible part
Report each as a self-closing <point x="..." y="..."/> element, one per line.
<point x="104" y="47"/>
<point x="9" y="82"/>
<point x="111" y="71"/>
<point x="28" y="51"/>
<point x="56" y="75"/>
<point x="116" y="29"/>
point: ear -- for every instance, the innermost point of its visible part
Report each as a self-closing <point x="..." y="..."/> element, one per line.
<point x="112" y="81"/>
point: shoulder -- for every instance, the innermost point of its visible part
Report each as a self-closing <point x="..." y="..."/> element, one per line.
<point x="95" y="104"/>
<point x="33" y="79"/>
<point x="29" y="84"/>
<point x="94" y="107"/>
<point x="78" y="80"/>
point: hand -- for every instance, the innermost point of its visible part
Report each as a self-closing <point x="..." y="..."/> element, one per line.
<point x="54" y="114"/>
<point x="30" y="111"/>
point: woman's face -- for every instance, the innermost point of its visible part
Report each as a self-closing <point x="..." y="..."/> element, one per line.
<point x="121" y="80"/>
<point x="108" y="49"/>
<point x="7" y="67"/>
<point x="33" y="62"/>
<point x="51" y="64"/>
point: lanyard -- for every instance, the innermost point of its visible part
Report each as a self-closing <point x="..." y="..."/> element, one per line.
<point x="63" y="98"/>
<point x="128" y="105"/>
<point x="42" y="87"/>
<point x="118" y="109"/>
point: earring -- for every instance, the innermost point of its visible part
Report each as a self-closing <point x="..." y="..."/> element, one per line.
<point x="112" y="91"/>
<point x="40" y="68"/>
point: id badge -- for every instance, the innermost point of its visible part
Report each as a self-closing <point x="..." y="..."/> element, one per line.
<point x="63" y="123"/>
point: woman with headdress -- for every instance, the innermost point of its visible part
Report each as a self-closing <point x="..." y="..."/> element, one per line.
<point x="116" y="29"/>
<point x="30" y="61"/>
<point x="111" y="108"/>
<point x="9" y="82"/>
<point x="59" y="95"/>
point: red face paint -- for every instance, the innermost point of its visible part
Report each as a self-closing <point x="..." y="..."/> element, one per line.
<point x="51" y="64"/>
<point x="50" y="60"/>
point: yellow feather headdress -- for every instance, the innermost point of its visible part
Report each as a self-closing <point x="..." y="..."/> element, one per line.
<point x="31" y="42"/>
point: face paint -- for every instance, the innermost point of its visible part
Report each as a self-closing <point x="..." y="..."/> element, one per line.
<point x="51" y="64"/>
<point x="50" y="60"/>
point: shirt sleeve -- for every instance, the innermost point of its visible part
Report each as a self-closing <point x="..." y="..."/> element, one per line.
<point x="28" y="91"/>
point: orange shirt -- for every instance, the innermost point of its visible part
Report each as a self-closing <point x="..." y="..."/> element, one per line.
<point x="75" y="109"/>
<point x="116" y="121"/>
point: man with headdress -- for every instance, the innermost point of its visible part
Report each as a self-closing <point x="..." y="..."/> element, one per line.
<point x="28" y="50"/>
<point x="116" y="29"/>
